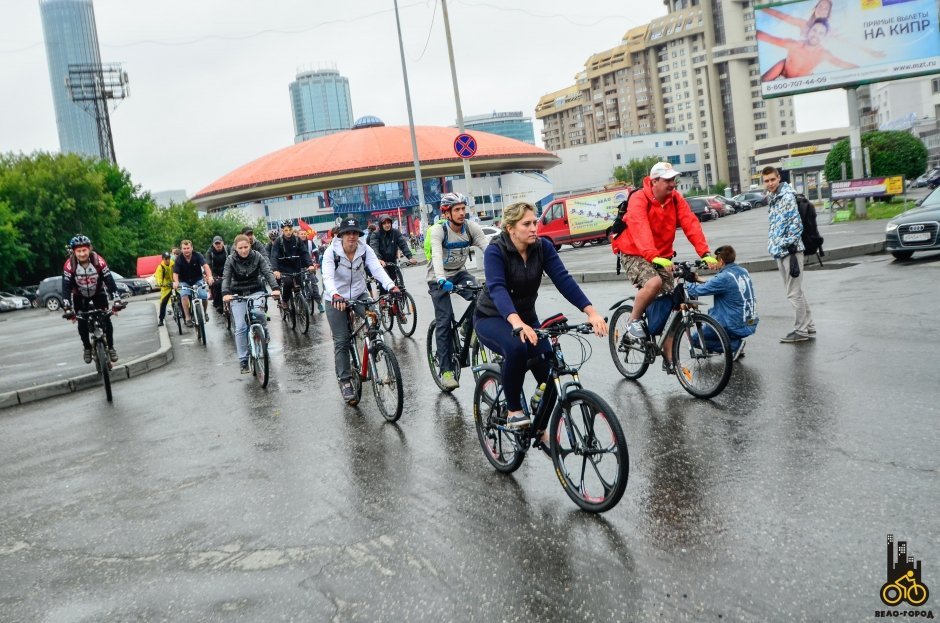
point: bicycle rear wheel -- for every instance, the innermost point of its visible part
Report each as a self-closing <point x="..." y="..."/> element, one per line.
<point x="104" y="367"/>
<point x="386" y="382"/>
<point x="260" y="348"/>
<point x="589" y="451"/>
<point x="431" y="347"/>
<point x="480" y="354"/>
<point x="303" y="313"/>
<point x="703" y="369"/>
<point x="407" y="314"/>
<point x="386" y="316"/>
<point x="629" y="355"/>
<point x="502" y="447"/>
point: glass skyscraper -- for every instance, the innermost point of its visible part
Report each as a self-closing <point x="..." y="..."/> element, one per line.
<point x="71" y="38"/>
<point x="321" y="104"/>
<point x="509" y="124"/>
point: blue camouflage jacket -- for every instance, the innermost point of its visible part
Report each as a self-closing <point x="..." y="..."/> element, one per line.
<point x="784" y="224"/>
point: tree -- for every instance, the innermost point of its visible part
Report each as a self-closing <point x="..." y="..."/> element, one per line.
<point x="891" y="153"/>
<point x="635" y="170"/>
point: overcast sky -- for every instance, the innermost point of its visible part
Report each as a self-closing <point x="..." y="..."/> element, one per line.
<point x="209" y="78"/>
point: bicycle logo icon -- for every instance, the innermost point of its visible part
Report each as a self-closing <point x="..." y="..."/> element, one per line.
<point x="904" y="581"/>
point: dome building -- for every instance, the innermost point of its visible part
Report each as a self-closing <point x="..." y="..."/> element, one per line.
<point x="368" y="171"/>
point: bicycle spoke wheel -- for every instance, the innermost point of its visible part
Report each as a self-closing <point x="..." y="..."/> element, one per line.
<point x="104" y="367"/>
<point x="386" y="382"/>
<point x="407" y="314"/>
<point x="303" y="313"/>
<point x="702" y="354"/>
<point x="260" y="347"/>
<point x="386" y="317"/>
<point x="503" y="448"/>
<point x="589" y="451"/>
<point x="629" y="355"/>
<point x="199" y="318"/>
<point x="178" y="313"/>
<point x="480" y="354"/>
<point x="431" y="348"/>
<point x="292" y="313"/>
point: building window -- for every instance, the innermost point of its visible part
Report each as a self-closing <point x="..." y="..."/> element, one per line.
<point x="690" y="158"/>
<point x="673" y="160"/>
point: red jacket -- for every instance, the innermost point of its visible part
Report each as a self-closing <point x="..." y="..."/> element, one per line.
<point x="651" y="226"/>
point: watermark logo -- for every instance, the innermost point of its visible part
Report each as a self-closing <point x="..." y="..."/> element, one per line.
<point x="904" y="580"/>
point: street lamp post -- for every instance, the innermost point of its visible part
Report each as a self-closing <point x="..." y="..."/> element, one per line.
<point x="411" y="119"/>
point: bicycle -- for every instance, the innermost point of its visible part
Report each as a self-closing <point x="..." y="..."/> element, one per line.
<point x="377" y="362"/>
<point x="585" y="440"/>
<point x="176" y="305"/>
<point x="401" y="308"/>
<point x="701" y="371"/>
<point x="99" y="341"/>
<point x="892" y="593"/>
<point x="297" y="308"/>
<point x="311" y="292"/>
<point x="465" y="348"/>
<point x="258" y="336"/>
<point x="196" y="309"/>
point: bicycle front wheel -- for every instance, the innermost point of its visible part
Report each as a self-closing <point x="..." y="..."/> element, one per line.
<point x="702" y="354"/>
<point x="260" y="349"/>
<point x="291" y="313"/>
<point x="178" y="313"/>
<point x="199" y="315"/>
<point x="629" y="355"/>
<point x="104" y="367"/>
<point x="386" y="382"/>
<point x="303" y="313"/>
<point x="502" y="447"/>
<point x="589" y="451"/>
<point x="407" y="314"/>
<point x="431" y="349"/>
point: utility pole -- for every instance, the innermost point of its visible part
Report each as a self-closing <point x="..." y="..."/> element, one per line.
<point x="411" y="122"/>
<point x="453" y="77"/>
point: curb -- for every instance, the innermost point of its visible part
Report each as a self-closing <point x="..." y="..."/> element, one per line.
<point x="754" y="266"/>
<point x="132" y="368"/>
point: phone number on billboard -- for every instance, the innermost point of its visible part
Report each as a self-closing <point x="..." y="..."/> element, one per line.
<point x="789" y="85"/>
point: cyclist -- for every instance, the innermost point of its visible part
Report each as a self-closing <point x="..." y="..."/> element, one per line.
<point x="253" y="242"/>
<point x="188" y="271"/>
<point x="85" y="277"/>
<point x="386" y="242"/>
<point x="735" y="306"/>
<point x="312" y="244"/>
<point x="244" y="274"/>
<point x="289" y="255"/>
<point x="216" y="255"/>
<point x="450" y="249"/>
<point x="344" y="279"/>
<point x="653" y="214"/>
<point x="513" y="264"/>
<point x="163" y="277"/>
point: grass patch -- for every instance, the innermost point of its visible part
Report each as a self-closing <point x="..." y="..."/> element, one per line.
<point x="877" y="211"/>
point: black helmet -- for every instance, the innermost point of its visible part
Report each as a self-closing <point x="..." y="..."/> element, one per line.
<point x="287" y="223"/>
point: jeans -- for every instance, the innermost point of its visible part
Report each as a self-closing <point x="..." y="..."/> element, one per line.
<point x="496" y="334"/>
<point x="342" y="339"/>
<point x="803" y="321"/>
<point x="238" y="309"/>
<point x="443" y="314"/>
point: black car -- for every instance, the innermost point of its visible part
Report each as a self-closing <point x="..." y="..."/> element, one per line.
<point x="29" y="292"/>
<point x="49" y="293"/>
<point x="755" y="198"/>
<point x="916" y="229"/>
<point x="135" y="284"/>
<point x="700" y="208"/>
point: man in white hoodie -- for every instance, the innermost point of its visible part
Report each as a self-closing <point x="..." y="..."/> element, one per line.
<point x="344" y="279"/>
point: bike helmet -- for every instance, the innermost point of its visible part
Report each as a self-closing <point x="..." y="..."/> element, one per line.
<point x="166" y="255"/>
<point x="79" y="241"/>
<point x="287" y="223"/>
<point x="272" y="235"/>
<point x="451" y="199"/>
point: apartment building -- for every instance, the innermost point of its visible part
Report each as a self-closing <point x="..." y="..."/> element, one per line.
<point x="693" y="70"/>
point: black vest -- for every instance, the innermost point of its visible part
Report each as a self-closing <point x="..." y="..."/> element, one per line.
<point x="522" y="279"/>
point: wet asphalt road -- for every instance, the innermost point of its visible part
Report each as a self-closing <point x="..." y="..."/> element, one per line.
<point x="198" y="496"/>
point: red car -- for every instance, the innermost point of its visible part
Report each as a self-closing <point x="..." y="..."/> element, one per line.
<point x="715" y="203"/>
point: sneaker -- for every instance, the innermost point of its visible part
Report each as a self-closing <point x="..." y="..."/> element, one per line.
<point x="112" y="355"/>
<point x="160" y="324"/>
<point x="793" y="336"/>
<point x="669" y="367"/>
<point x="87" y="355"/>
<point x="244" y="366"/>
<point x="349" y="394"/>
<point x="449" y="381"/>
<point x="811" y="331"/>
<point x="189" y="323"/>
<point x="738" y="354"/>
<point x="519" y="420"/>
<point x="636" y="330"/>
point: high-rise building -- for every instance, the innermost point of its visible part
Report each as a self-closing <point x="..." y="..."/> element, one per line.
<point x="71" y="39"/>
<point x="321" y="103"/>
<point x="693" y="70"/>
<point x="509" y="124"/>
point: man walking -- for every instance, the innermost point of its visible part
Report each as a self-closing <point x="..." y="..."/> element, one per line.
<point x="784" y="244"/>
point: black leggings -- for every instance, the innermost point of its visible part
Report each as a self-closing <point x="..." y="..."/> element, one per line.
<point x="496" y="334"/>
<point x="98" y="301"/>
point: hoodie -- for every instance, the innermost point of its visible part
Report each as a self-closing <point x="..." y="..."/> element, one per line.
<point x="348" y="279"/>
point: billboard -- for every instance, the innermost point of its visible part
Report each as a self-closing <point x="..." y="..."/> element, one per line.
<point x="594" y="212"/>
<point x="813" y="45"/>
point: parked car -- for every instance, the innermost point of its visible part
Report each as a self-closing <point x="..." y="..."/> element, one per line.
<point x="490" y="232"/>
<point x="756" y="198"/>
<point x="737" y="206"/>
<point x="701" y="209"/>
<point x="50" y="292"/>
<point x="6" y="305"/>
<point x="29" y="292"/>
<point x="19" y="302"/>
<point x="720" y="204"/>
<point x="579" y="219"/>
<point x="135" y="284"/>
<point x="916" y="229"/>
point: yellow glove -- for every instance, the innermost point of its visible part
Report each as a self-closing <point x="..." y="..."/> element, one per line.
<point x="710" y="260"/>
<point x="661" y="261"/>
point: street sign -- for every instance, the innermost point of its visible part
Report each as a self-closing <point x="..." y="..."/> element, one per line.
<point x="465" y="146"/>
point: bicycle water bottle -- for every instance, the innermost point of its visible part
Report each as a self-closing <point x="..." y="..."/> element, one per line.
<point x="537" y="398"/>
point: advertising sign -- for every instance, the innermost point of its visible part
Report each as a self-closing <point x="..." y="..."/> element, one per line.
<point x="594" y="212"/>
<point x="871" y="187"/>
<point x="814" y="45"/>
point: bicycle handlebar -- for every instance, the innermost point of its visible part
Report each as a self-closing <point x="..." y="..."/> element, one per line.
<point x="560" y="329"/>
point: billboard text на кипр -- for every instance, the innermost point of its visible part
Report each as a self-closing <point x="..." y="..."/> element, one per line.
<point x="813" y="45"/>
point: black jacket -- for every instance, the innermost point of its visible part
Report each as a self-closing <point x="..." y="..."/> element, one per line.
<point x="522" y="280"/>
<point x="289" y="255"/>
<point x="216" y="260"/>
<point x="246" y="275"/>
<point x="386" y="244"/>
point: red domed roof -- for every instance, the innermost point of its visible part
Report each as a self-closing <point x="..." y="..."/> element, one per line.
<point x="368" y="155"/>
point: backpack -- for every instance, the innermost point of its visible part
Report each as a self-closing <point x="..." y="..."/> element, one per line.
<point x="620" y="225"/>
<point x="446" y="245"/>
<point x="812" y="241"/>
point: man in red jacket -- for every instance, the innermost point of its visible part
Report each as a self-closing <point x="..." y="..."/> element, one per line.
<point x="646" y="245"/>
